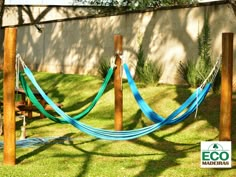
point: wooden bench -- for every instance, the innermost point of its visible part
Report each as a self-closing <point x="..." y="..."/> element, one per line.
<point x="22" y="107"/>
<point x="31" y="108"/>
<point x="26" y="106"/>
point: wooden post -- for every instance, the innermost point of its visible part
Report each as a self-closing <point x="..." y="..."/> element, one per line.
<point x="9" y="96"/>
<point x="226" y="87"/>
<point x="118" y="83"/>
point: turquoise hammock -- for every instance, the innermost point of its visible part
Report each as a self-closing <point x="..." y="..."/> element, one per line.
<point x="39" y="106"/>
<point x="111" y="134"/>
<point x="147" y="110"/>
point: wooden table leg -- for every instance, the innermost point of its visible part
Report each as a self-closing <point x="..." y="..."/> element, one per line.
<point x="43" y="103"/>
<point x="23" y="99"/>
<point x="29" y="111"/>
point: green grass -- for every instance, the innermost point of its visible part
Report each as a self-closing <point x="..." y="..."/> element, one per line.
<point x="171" y="151"/>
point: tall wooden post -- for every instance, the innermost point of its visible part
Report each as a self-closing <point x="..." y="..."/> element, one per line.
<point x="118" y="83"/>
<point x="9" y="96"/>
<point x="226" y="87"/>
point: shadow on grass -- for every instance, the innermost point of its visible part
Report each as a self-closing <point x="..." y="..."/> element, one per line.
<point x="136" y="120"/>
<point x="167" y="161"/>
<point x="89" y="155"/>
<point x="170" y="151"/>
<point x="173" y="152"/>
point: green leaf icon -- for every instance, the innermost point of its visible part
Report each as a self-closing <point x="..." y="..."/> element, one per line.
<point x="215" y="146"/>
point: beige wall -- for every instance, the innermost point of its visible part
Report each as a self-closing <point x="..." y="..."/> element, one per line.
<point x="168" y="37"/>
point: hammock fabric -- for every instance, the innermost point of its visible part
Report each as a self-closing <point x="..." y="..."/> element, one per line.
<point x="153" y="116"/>
<point x="39" y="106"/>
<point x="121" y="135"/>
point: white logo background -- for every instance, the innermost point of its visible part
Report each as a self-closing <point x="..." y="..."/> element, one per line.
<point x="216" y="154"/>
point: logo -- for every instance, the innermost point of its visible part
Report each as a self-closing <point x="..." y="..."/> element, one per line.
<point x="216" y="154"/>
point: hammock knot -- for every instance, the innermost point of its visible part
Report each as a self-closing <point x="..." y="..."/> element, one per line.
<point x="123" y="57"/>
<point x="112" y="62"/>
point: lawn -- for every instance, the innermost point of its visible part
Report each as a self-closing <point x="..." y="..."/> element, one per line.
<point x="171" y="151"/>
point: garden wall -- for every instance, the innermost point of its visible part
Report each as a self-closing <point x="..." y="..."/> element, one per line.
<point x="167" y="37"/>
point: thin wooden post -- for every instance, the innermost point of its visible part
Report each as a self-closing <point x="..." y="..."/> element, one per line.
<point x="118" y="83"/>
<point x="226" y="87"/>
<point x="9" y="96"/>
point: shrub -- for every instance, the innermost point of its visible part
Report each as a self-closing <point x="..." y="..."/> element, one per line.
<point x="103" y="67"/>
<point x="147" y="71"/>
<point x="195" y="72"/>
<point x="188" y="72"/>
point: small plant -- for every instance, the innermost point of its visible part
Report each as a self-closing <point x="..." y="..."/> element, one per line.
<point x="147" y="71"/>
<point x="151" y="73"/>
<point x="140" y="63"/>
<point x="103" y="67"/>
<point x="194" y="72"/>
<point x="189" y="72"/>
